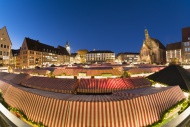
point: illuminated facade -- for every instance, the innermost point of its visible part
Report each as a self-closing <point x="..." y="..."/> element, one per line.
<point x="128" y="57"/>
<point x="82" y="54"/>
<point x="174" y="52"/>
<point x="152" y="51"/>
<point x="5" y="47"/>
<point x="34" y="53"/>
<point x="100" y="56"/>
<point x="186" y="44"/>
<point x="15" y="58"/>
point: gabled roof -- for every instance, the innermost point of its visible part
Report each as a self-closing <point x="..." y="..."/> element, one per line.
<point x="173" y="46"/>
<point x="130" y="53"/>
<point x="15" y="52"/>
<point x="38" y="46"/>
<point x="173" y="75"/>
<point x="73" y="54"/>
<point x="4" y="29"/>
<point x="101" y="51"/>
<point x="160" y="44"/>
<point x="62" y="50"/>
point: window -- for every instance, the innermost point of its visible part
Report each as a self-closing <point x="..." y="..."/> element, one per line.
<point x="186" y="43"/>
<point x="0" y="52"/>
<point x="188" y="38"/>
<point x="185" y="49"/>
<point x="1" y="45"/>
<point x="5" y="46"/>
<point x="7" y="53"/>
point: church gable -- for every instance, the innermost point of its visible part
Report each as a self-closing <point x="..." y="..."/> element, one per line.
<point x="150" y="51"/>
<point x="4" y="36"/>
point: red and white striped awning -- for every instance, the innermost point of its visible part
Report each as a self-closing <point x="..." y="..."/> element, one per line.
<point x="92" y="110"/>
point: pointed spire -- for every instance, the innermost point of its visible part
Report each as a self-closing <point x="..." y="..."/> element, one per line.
<point x="146" y="33"/>
<point x="67" y="46"/>
<point x="67" y="43"/>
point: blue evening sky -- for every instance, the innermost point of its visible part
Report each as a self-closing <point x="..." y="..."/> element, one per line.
<point x="94" y="24"/>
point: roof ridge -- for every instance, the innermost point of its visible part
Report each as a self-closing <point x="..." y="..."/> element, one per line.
<point x="182" y="75"/>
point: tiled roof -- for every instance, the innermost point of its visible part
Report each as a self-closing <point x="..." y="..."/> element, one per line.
<point x="38" y="46"/>
<point x="173" y="46"/>
<point x="101" y="51"/>
<point x="15" y="52"/>
<point x="126" y="53"/>
<point x="160" y="44"/>
<point x="63" y="50"/>
<point x="73" y="54"/>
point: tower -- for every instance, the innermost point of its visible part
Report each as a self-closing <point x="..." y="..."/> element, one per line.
<point x="67" y="46"/>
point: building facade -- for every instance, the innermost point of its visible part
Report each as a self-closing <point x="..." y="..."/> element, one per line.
<point x="34" y="53"/>
<point x="186" y="34"/>
<point x="100" y="56"/>
<point x="174" y="53"/>
<point x="186" y="45"/>
<point x="82" y="54"/>
<point x="15" y="58"/>
<point x="128" y="57"/>
<point x="152" y="50"/>
<point x="5" y="47"/>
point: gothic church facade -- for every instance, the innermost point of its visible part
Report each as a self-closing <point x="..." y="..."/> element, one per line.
<point x="152" y="51"/>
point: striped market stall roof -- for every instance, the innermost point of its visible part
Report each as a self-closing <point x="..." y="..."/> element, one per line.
<point x="51" y="84"/>
<point x="4" y="86"/>
<point x="139" y="70"/>
<point x="25" y="71"/>
<point x="3" y="74"/>
<point x="40" y="71"/>
<point x="32" y="71"/>
<point x="15" y="78"/>
<point x="137" y="82"/>
<point x="100" y="85"/>
<point x="94" y="111"/>
<point x="89" y="72"/>
<point x="9" y="76"/>
<point x="68" y="72"/>
<point x="111" y="84"/>
<point x="19" y="78"/>
<point x="144" y="70"/>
